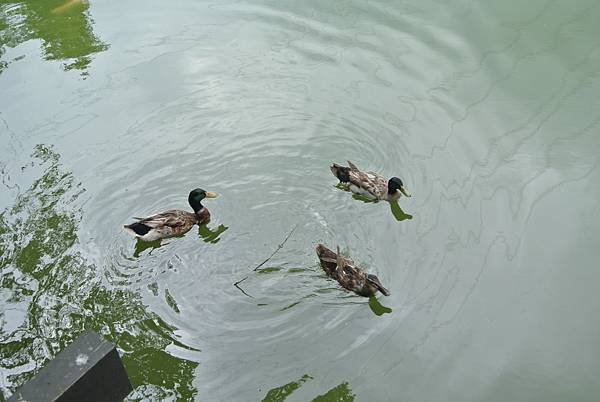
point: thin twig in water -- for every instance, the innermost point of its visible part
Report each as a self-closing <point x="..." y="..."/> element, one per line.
<point x="279" y="247"/>
<point x="237" y="285"/>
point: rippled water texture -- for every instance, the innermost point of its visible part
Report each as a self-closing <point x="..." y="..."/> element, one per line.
<point x="487" y="110"/>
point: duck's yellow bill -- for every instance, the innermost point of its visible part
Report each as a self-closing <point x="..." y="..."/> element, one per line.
<point x="210" y="194"/>
<point x="403" y="190"/>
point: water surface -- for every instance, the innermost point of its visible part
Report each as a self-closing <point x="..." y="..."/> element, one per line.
<point x="487" y="111"/>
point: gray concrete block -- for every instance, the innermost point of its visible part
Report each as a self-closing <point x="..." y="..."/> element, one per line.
<point x="89" y="369"/>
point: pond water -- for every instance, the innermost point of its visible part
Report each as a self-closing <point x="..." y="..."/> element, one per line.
<point x="487" y="110"/>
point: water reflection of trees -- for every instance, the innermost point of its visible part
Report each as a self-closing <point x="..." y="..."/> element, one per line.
<point x="63" y="26"/>
<point x="340" y="393"/>
<point x="49" y="294"/>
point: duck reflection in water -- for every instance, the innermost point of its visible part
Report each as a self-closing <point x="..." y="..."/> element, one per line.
<point x="397" y="211"/>
<point x="207" y="235"/>
<point x="377" y="308"/>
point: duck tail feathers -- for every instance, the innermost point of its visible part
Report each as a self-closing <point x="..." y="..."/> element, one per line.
<point x="352" y="166"/>
<point x="325" y="254"/>
<point x="341" y="172"/>
<point x="137" y="229"/>
<point x="340" y="260"/>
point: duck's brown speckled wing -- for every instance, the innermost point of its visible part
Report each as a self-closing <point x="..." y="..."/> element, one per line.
<point x="177" y="220"/>
<point x="368" y="181"/>
<point x="328" y="260"/>
<point x="349" y="276"/>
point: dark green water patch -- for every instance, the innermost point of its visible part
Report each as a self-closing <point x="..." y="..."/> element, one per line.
<point x="280" y="394"/>
<point x="299" y="270"/>
<point x="340" y="393"/>
<point x="63" y="27"/>
<point x="55" y="294"/>
<point x="268" y="270"/>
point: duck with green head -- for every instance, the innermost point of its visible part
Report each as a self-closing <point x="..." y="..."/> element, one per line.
<point x="369" y="184"/>
<point x="174" y="222"/>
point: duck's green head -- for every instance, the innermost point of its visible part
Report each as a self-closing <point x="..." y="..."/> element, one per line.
<point x="395" y="184"/>
<point x="196" y="196"/>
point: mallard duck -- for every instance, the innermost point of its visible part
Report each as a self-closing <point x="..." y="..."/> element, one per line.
<point x="369" y="184"/>
<point x="337" y="267"/>
<point x="174" y="222"/>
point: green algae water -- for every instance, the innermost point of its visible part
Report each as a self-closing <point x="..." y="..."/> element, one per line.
<point x="487" y="110"/>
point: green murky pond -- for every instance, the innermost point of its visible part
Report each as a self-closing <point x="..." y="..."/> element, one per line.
<point x="489" y="112"/>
